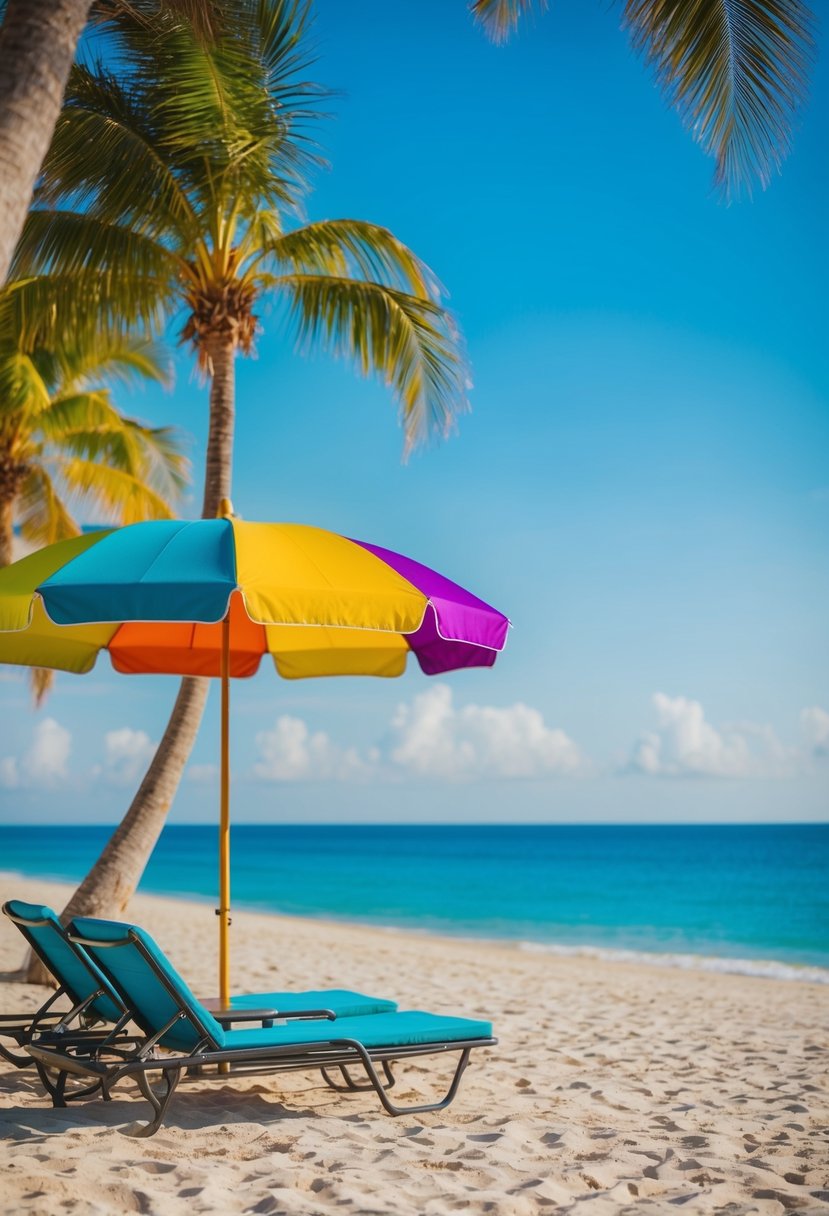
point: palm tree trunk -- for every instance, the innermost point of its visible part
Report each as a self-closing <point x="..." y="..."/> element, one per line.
<point x="6" y="531"/>
<point x="110" y="884"/>
<point x="37" y="45"/>
<point x="218" y="470"/>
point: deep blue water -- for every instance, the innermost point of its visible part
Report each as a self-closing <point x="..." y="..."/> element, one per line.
<point x="748" y="892"/>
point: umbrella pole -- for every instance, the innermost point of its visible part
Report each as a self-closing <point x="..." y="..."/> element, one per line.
<point x="224" y="823"/>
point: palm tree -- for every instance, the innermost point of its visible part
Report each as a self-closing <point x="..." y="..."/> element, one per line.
<point x="734" y="70"/>
<point x="65" y="446"/>
<point x="174" y="180"/>
<point x="38" y="40"/>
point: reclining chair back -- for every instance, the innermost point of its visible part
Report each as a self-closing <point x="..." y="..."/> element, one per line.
<point x="74" y="970"/>
<point x="148" y="984"/>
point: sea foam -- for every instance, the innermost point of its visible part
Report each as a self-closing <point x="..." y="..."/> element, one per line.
<point x="762" y="968"/>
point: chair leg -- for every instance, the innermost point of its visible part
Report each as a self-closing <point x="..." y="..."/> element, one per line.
<point x="19" y="1061"/>
<point x="53" y="1088"/>
<point x="352" y="1086"/>
<point x="377" y="1085"/>
<point x="57" y="1089"/>
<point x="170" y="1078"/>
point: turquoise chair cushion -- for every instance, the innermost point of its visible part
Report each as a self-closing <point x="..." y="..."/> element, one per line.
<point x="339" y="1000"/>
<point x="69" y="964"/>
<point x="409" y="1029"/>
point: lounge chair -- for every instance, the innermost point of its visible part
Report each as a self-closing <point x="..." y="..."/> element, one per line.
<point x="94" y="1002"/>
<point x="182" y="1037"/>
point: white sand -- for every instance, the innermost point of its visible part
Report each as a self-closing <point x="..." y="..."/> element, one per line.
<point x="613" y="1089"/>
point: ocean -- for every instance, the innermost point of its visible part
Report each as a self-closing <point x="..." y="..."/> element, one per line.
<point x="753" y="899"/>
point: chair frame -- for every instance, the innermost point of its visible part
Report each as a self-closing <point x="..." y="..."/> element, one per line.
<point x="48" y="1023"/>
<point x="208" y="1060"/>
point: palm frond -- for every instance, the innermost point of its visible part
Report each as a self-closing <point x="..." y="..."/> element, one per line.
<point x="165" y="466"/>
<point x="411" y="342"/>
<point x="74" y="273"/>
<point x="44" y="311"/>
<point x="22" y="387"/>
<point x="349" y="248"/>
<point x="72" y="242"/>
<point x="233" y="113"/>
<point x="500" y="18"/>
<point x="41" y="512"/>
<point x="105" y="157"/>
<point x="127" y="361"/>
<point x="70" y="414"/>
<point x="734" y="70"/>
<point x="204" y="16"/>
<point x="87" y="425"/>
<point x="119" y="496"/>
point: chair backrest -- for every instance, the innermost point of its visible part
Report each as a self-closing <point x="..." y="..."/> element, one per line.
<point x="69" y="964"/>
<point x="147" y="983"/>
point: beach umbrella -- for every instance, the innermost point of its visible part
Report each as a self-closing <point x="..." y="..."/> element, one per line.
<point x="212" y="597"/>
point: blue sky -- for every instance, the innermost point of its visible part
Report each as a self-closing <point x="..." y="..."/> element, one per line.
<point x="643" y="483"/>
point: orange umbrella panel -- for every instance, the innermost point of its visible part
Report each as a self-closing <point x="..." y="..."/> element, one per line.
<point x="185" y="649"/>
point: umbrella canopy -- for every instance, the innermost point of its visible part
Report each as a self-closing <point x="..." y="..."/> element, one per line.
<point x="211" y="597"/>
<point x="153" y="594"/>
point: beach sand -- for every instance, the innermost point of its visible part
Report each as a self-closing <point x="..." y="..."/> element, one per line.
<point x="614" y="1088"/>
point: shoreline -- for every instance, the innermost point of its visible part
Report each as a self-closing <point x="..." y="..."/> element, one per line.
<point x="759" y="967"/>
<point x="636" y="1088"/>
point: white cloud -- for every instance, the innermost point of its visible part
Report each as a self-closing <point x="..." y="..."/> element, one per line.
<point x="815" y="724"/>
<point x="685" y="744"/>
<point x="290" y="752"/>
<point x="429" y="738"/>
<point x="44" y="763"/>
<point x="128" y="753"/>
<point x="432" y="738"/>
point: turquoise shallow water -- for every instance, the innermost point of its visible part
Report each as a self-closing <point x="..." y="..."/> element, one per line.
<point x="759" y="894"/>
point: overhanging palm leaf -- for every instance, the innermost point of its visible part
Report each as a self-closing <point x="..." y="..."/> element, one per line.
<point x="500" y="18"/>
<point x="734" y="70"/>
<point x="205" y="16"/>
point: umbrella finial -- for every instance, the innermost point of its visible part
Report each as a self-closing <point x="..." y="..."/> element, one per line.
<point x="225" y="510"/>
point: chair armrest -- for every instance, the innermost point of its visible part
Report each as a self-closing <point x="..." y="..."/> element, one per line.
<point x="309" y="1013"/>
<point x="266" y="1016"/>
<point x="227" y="1015"/>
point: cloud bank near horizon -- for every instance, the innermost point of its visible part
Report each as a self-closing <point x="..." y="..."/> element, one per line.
<point x="686" y="744"/>
<point x="433" y="739"/>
